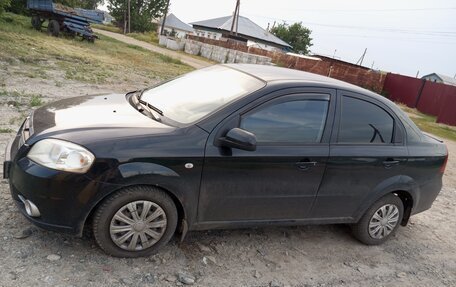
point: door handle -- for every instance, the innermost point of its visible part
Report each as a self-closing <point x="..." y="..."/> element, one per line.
<point x="305" y="165"/>
<point x="390" y="163"/>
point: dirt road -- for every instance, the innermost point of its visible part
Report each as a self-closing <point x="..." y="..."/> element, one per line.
<point x="421" y="254"/>
<point x="194" y="62"/>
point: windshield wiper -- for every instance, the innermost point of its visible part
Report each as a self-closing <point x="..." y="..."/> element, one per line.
<point x="157" y="110"/>
<point x="160" y="112"/>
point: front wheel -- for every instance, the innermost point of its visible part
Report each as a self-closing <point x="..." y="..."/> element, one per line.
<point x="380" y="221"/>
<point x="135" y="222"/>
<point x="36" y="22"/>
<point x="53" y="28"/>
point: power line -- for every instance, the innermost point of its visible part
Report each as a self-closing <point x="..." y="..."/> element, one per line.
<point x="378" y="10"/>
<point x="419" y="40"/>
<point x="379" y="29"/>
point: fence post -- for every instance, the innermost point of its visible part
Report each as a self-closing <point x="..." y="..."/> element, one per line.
<point x="419" y="94"/>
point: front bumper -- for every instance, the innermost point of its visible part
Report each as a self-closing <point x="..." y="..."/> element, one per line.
<point x="64" y="199"/>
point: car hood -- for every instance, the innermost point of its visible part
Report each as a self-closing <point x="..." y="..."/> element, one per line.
<point x="93" y="117"/>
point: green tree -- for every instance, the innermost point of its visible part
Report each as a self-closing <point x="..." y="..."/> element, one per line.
<point x="4" y="4"/>
<point x="18" y="7"/>
<point x="142" y="13"/>
<point x="296" y="35"/>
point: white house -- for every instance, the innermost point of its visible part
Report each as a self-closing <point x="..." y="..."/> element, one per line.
<point x="247" y="31"/>
<point x="175" y="27"/>
<point x="439" y="78"/>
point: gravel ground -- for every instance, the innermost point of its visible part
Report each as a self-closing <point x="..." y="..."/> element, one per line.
<point x="421" y="254"/>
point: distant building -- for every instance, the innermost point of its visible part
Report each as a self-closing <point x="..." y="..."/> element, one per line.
<point x="108" y="19"/>
<point x="439" y="78"/>
<point x="97" y="15"/>
<point x="247" y="31"/>
<point x="175" y="27"/>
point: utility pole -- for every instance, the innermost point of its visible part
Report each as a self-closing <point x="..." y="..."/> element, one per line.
<point x="235" y="22"/>
<point x="360" y="61"/>
<point x="129" y="13"/>
<point x="417" y="73"/>
<point x="125" y="22"/>
<point x="162" y="30"/>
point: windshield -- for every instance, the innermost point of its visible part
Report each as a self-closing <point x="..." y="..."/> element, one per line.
<point x="197" y="94"/>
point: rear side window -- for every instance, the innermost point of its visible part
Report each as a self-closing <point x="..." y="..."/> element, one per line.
<point x="300" y="121"/>
<point x="364" y="122"/>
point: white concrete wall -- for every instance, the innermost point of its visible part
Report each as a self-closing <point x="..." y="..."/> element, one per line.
<point x="212" y="52"/>
<point x="223" y="55"/>
<point x="175" y="44"/>
<point x="162" y="40"/>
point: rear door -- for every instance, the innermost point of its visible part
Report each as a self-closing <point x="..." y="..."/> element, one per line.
<point x="281" y="178"/>
<point x="367" y="154"/>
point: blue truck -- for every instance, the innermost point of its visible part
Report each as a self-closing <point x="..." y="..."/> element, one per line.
<point x="73" y="22"/>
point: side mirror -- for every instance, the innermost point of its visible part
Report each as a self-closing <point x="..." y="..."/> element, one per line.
<point x="240" y="139"/>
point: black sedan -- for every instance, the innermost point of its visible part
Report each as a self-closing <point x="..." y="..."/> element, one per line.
<point x="222" y="147"/>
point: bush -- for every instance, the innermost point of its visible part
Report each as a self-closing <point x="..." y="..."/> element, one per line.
<point x="4" y="4"/>
<point x="18" y="7"/>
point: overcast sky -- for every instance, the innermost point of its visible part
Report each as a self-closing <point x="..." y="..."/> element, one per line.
<point x="401" y="36"/>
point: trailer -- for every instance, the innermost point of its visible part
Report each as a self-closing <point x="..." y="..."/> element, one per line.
<point x="73" y="22"/>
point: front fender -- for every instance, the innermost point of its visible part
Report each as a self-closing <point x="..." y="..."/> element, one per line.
<point x="181" y="183"/>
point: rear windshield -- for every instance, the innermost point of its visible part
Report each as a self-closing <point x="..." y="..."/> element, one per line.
<point x="193" y="96"/>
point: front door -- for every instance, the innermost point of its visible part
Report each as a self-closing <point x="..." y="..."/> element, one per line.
<point x="279" y="180"/>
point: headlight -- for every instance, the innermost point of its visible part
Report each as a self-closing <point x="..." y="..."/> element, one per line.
<point x="61" y="155"/>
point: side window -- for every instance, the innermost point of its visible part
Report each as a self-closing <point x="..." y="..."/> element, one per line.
<point x="364" y="122"/>
<point x="300" y="121"/>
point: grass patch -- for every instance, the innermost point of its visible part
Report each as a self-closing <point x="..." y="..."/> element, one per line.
<point x="106" y="60"/>
<point x="107" y="27"/>
<point x="168" y="59"/>
<point x="149" y="37"/>
<point x="36" y="101"/>
<point x="20" y="100"/>
<point x="6" y="130"/>
<point x="428" y="124"/>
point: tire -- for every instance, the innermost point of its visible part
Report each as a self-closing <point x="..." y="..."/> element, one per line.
<point x="36" y="22"/>
<point x="362" y="231"/>
<point x="53" y="28"/>
<point x="116" y="237"/>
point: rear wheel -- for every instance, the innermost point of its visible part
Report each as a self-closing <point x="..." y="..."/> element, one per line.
<point x="135" y="222"/>
<point x="36" y="22"/>
<point x="53" y="28"/>
<point x="380" y="221"/>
